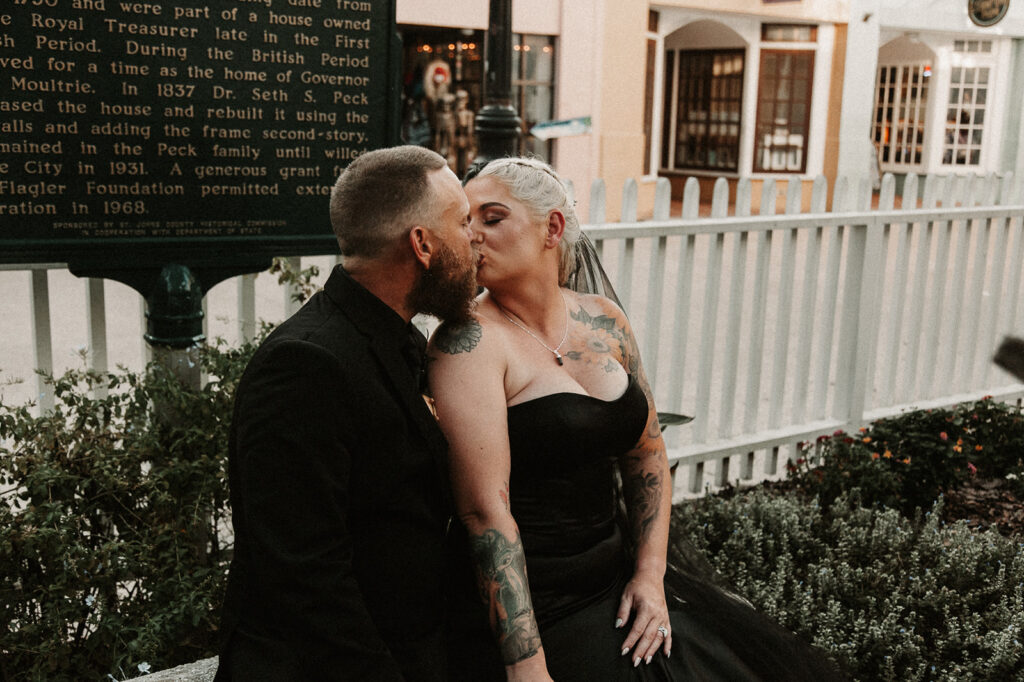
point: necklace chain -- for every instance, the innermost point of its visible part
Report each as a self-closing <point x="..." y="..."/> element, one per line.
<point x="565" y="334"/>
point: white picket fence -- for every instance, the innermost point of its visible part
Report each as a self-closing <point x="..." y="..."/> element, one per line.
<point x="774" y="329"/>
<point x="769" y="329"/>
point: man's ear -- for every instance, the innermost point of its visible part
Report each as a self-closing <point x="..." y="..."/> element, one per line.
<point x="556" y="227"/>
<point x="422" y="243"/>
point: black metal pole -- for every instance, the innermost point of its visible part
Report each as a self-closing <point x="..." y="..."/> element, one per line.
<point x="497" y="125"/>
<point x="174" y="326"/>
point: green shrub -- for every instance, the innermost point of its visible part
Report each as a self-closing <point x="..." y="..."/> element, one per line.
<point x="111" y="523"/>
<point x="889" y="598"/>
<point x="906" y="462"/>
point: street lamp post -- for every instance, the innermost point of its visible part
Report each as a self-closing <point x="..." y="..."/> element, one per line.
<point x="497" y="125"/>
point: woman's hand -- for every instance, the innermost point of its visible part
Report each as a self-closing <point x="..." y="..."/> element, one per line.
<point x="644" y="599"/>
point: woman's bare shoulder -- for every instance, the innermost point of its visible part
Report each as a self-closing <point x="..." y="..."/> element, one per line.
<point x="478" y="339"/>
<point x="595" y="305"/>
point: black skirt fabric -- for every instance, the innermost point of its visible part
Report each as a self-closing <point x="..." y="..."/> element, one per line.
<point x="564" y="497"/>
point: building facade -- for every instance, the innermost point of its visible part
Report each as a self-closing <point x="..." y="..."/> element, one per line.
<point x="744" y="88"/>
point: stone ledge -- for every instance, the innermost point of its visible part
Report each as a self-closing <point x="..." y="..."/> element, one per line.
<point x="200" y="671"/>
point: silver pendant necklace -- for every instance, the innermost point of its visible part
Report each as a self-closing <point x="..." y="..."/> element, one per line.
<point x="565" y="335"/>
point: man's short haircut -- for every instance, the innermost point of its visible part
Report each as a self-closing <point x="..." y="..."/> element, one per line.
<point x="380" y="196"/>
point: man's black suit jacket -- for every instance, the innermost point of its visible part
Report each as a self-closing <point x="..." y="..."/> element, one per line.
<point x="338" y="502"/>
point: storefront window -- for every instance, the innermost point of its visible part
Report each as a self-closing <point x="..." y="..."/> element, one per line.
<point x="708" y="105"/>
<point x="442" y="90"/>
<point x="965" y="115"/>
<point x="900" y="106"/>
<point x="783" y="111"/>
<point x="533" y="88"/>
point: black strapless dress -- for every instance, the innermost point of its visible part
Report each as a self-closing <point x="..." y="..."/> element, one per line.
<point x="564" y="498"/>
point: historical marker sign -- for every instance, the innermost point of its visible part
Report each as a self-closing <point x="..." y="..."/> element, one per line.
<point x="134" y="134"/>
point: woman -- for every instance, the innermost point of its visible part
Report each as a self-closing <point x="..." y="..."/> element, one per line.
<point x="545" y="406"/>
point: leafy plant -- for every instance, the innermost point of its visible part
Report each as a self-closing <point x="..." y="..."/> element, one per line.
<point x="890" y="598"/>
<point x="112" y="522"/>
<point x="300" y="280"/>
<point x="906" y="462"/>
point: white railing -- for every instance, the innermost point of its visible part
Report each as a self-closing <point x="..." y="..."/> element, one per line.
<point x="769" y="329"/>
<point x="772" y="330"/>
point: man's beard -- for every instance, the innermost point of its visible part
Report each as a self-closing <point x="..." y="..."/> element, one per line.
<point x="447" y="288"/>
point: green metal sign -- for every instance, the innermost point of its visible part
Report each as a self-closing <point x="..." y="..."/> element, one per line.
<point x="134" y="135"/>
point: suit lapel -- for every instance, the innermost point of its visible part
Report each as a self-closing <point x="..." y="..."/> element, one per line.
<point x="407" y="390"/>
<point x="367" y="312"/>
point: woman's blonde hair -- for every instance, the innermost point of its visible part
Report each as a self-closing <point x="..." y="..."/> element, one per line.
<point x="540" y="188"/>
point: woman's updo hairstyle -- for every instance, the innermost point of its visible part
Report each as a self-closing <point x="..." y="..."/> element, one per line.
<point x="538" y="186"/>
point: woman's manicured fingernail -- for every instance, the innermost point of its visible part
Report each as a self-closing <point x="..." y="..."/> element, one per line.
<point x="636" y="662"/>
<point x="648" y="662"/>
<point x="618" y="622"/>
<point x="669" y="654"/>
<point x="625" y="651"/>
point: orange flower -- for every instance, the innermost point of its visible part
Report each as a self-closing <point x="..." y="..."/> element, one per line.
<point x="905" y="460"/>
<point x="887" y="454"/>
<point x="959" y="441"/>
<point x="874" y="455"/>
<point x="978" y="448"/>
<point x="866" y="439"/>
<point x="957" y="448"/>
<point x="943" y="436"/>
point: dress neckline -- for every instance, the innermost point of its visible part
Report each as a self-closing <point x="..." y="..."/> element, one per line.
<point x="586" y="396"/>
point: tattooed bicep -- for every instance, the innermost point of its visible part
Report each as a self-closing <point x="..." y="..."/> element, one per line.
<point x="461" y="337"/>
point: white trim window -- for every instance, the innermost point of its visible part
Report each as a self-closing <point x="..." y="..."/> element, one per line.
<point x="901" y="104"/>
<point x="967" y="105"/>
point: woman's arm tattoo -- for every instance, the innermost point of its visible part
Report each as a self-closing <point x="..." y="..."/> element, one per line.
<point x="458" y="338"/>
<point x="501" y="577"/>
<point x="643" y="500"/>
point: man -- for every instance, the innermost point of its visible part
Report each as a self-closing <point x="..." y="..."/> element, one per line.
<point x="336" y="463"/>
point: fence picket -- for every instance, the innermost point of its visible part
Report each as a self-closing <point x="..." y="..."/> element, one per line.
<point x="598" y="206"/>
<point x="809" y="291"/>
<point x="896" y="262"/>
<point x="730" y="361"/>
<point x="656" y="283"/>
<point x="247" y="308"/>
<point x="947" y="358"/>
<point x="970" y="325"/>
<point x="938" y="284"/>
<point x="96" y="324"/>
<point x="746" y="463"/>
<point x="990" y="304"/>
<point x="759" y="298"/>
<point x="713" y="283"/>
<point x="784" y="310"/>
<point x="902" y="362"/>
<point x="1011" y="320"/>
<point x="42" y="341"/>
<point x="624" y="271"/>
<point x="652" y="315"/>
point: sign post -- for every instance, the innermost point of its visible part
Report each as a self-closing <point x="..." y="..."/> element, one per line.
<point x="171" y="145"/>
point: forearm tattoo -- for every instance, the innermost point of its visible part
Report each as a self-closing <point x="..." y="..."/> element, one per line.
<point x="458" y="338"/>
<point x="501" y="577"/>
<point x="643" y="501"/>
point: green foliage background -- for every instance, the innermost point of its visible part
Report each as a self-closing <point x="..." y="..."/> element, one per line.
<point x="112" y="523"/>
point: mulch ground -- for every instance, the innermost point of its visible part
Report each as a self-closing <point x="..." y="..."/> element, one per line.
<point x="985" y="503"/>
